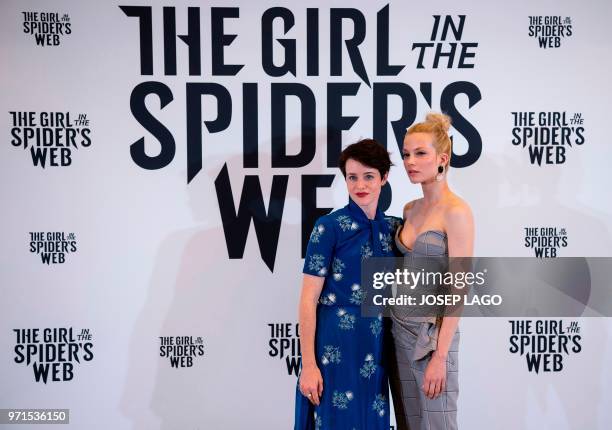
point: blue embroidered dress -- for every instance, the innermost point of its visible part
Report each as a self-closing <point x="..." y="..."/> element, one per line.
<point x="348" y="347"/>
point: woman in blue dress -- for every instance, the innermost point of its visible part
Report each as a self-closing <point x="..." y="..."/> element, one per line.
<point x="343" y="382"/>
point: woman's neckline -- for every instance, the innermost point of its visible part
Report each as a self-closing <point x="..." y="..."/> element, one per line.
<point x="416" y="238"/>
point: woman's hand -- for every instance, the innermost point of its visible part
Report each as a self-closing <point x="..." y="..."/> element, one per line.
<point x="311" y="383"/>
<point x="434" y="380"/>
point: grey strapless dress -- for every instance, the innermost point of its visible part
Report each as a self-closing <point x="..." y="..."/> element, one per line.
<point x="415" y="338"/>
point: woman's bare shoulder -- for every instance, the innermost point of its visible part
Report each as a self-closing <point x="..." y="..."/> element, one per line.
<point x="457" y="209"/>
<point x="408" y="206"/>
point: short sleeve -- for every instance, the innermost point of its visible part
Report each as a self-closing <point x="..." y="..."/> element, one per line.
<point x="321" y="247"/>
<point x="393" y="223"/>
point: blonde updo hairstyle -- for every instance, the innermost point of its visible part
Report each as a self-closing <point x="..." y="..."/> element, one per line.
<point x="436" y="124"/>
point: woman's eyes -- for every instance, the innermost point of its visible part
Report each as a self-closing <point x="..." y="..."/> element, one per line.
<point x="406" y="155"/>
<point x="367" y="177"/>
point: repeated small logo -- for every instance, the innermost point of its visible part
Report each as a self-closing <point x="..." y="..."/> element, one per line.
<point x="547" y="135"/>
<point x="53" y="352"/>
<point x="52" y="246"/>
<point x="47" y="27"/>
<point x="181" y="350"/>
<point x="545" y="343"/>
<point x="545" y="241"/>
<point x="550" y="30"/>
<point x="284" y="344"/>
<point x="50" y="136"/>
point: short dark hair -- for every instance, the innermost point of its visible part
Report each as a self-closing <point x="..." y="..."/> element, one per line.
<point x="369" y="153"/>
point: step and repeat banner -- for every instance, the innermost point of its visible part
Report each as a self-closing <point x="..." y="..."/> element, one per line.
<point x="163" y="164"/>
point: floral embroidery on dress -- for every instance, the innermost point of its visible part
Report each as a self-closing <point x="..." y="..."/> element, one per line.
<point x="346" y="223"/>
<point x="347" y="321"/>
<point x="358" y="295"/>
<point x="366" y="251"/>
<point x="328" y="300"/>
<point x="376" y="326"/>
<point x="318" y="421"/>
<point x="341" y="400"/>
<point x="393" y="223"/>
<point x="337" y="267"/>
<point x="379" y="404"/>
<point x="332" y="355"/>
<point x="385" y="241"/>
<point x="317" y="232"/>
<point x="369" y="367"/>
<point x="316" y="262"/>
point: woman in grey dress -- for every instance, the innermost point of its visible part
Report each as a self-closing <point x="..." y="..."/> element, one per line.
<point x="425" y="382"/>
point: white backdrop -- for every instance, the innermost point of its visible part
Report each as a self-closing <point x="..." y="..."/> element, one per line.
<point x="151" y="257"/>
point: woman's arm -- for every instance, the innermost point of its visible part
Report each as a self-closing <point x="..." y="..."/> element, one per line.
<point x="311" y="381"/>
<point x="460" y="232"/>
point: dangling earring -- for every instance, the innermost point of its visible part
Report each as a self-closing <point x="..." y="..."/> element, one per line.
<point x="440" y="174"/>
